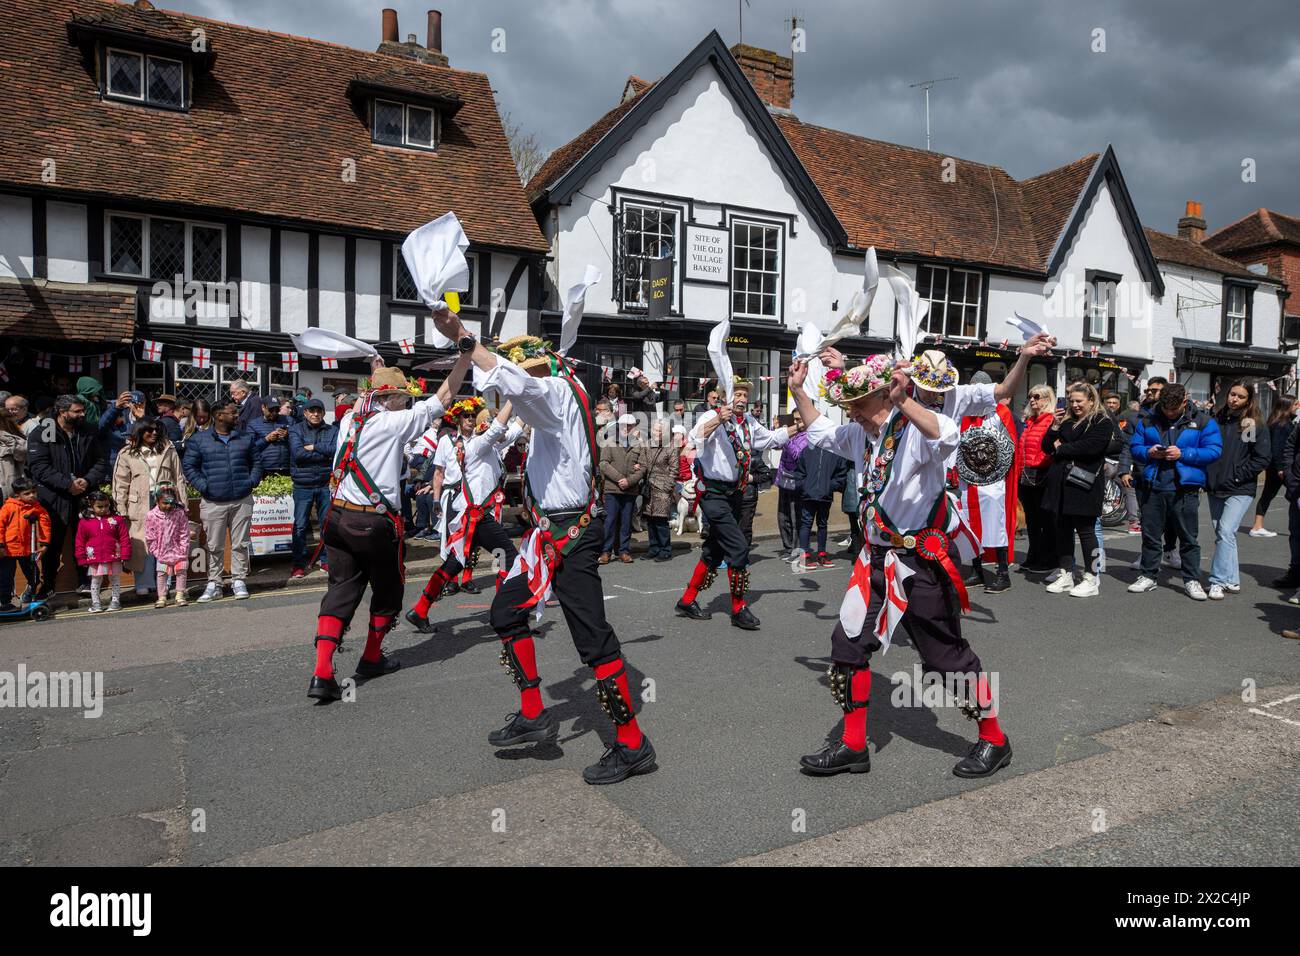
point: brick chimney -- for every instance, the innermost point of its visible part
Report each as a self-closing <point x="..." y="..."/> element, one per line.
<point x="1192" y="225"/>
<point x="411" y="49"/>
<point x="771" y="74"/>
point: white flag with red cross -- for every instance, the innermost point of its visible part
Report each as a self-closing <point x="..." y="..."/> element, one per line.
<point x="151" y="351"/>
<point x="246" y="361"/>
<point x="42" y="359"/>
<point x="201" y="357"/>
<point x="105" y="359"/>
<point x="289" y="361"/>
<point x="329" y="363"/>
<point x="74" y="363"/>
<point x="407" y="347"/>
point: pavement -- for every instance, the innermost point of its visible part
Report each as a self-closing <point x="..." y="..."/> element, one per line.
<point x="1147" y="729"/>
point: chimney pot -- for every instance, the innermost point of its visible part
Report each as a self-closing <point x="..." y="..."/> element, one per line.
<point x="389" y="29"/>
<point x="1192" y="225"/>
<point x="435" y="31"/>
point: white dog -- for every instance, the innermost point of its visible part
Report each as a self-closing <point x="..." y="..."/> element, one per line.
<point x="684" y="504"/>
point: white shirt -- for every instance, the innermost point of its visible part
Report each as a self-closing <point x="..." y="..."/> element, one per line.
<point x="483" y="458"/>
<point x="559" y="461"/>
<point x="717" y="457"/>
<point x="445" y="458"/>
<point x="381" y="448"/>
<point x="917" y="478"/>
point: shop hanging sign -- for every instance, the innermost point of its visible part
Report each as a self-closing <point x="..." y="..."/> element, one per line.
<point x="706" y="254"/>
<point x="661" y="287"/>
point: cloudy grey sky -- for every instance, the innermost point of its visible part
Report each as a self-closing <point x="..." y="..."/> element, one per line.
<point x="1185" y="90"/>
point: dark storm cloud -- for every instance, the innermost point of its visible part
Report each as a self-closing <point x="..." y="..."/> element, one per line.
<point x="1185" y="90"/>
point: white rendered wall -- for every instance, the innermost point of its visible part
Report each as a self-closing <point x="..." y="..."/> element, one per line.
<point x="15" y="236"/>
<point x="65" y="242"/>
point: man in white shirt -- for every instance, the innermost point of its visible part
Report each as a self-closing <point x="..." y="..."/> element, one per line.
<point x="727" y="438"/>
<point x="478" y="459"/>
<point x="559" y="555"/>
<point x="905" y="573"/>
<point x="363" y="530"/>
<point x="448" y="475"/>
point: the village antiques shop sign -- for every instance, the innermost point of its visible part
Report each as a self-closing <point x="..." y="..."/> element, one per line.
<point x="706" y="254"/>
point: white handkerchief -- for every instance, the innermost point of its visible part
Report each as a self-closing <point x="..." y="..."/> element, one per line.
<point x="574" y="302"/>
<point x="330" y="344"/>
<point x="1028" y="328"/>
<point x="810" y="345"/>
<point x="719" y="358"/>
<point x="859" y="308"/>
<point x="435" y="257"/>
<point x="912" y="310"/>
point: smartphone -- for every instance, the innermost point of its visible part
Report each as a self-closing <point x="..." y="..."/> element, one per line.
<point x="1060" y="404"/>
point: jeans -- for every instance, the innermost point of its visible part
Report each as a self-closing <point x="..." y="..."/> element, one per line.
<point x="424" y="511"/>
<point x="660" y="543"/>
<point x="787" y="516"/>
<point x="1165" y="509"/>
<point x="808" y="512"/>
<point x="303" y="500"/>
<point x="7" y="567"/>
<point x="618" y="523"/>
<point x="1227" y="514"/>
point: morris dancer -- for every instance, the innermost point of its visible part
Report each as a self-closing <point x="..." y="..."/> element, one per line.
<point x="905" y="573"/>
<point x="363" y="531"/>
<point x="449" y="479"/>
<point x="727" y="438"/>
<point x="479" y="499"/>
<point x="559" y="554"/>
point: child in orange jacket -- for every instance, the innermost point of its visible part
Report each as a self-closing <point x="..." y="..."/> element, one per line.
<point x="24" y="532"/>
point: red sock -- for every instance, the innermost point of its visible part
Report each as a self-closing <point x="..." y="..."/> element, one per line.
<point x="467" y="576"/>
<point x="989" y="729"/>
<point x="737" y="600"/>
<point x="329" y="630"/>
<point x="697" y="581"/>
<point x="855" y="721"/>
<point x="379" y="624"/>
<point x="530" y="698"/>
<point x="629" y="734"/>
<point x="432" y="591"/>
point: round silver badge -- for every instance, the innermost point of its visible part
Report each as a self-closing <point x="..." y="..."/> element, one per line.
<point x="380" y="509"/>
<point x="374" y="497"/>
<point x="574" y="532"/>
<point x="544" y="524"/>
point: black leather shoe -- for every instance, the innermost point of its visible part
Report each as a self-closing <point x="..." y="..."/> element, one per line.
<point x="1287" y="581"/>
<point x="692" y="610"/>
<point x="836" y="757"/>
<point x="620" y="762"/>
<point x="324" y="688"/>
<point x="521" y="730"/>
<point x="385" y="665"/>
<point x="1001" y="582"/>
<point x="984" y="759"/>
<point x="974" y="578"/>
<point x="451" y="587"/>
<point x="745" y="620"/>
<point x="421" y="624"/>
<point x="469" y="587"/>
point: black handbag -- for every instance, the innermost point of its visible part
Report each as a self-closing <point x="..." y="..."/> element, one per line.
<point x="1032" y="476"/>
<point x="1081" y="477"/>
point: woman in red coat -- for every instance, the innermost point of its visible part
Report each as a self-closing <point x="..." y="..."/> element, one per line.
<point x="1032" y="464"/>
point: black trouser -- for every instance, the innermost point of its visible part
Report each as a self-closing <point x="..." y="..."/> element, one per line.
<point x="726" y="539"/>
<point x="1272" y="485"/>
<point x="932" y="621"/>
<point x="1162" y="510"/>
<point x="490" y="536"/>
<point x="1083" y="527"/>
<point x="810" y="511"/>
<point x="748" y="508"/>
<point x="363" y="549"/>
<point x="787" y="516"/>
<point x="1040" y="526"/>
<point x="577" y="587"/>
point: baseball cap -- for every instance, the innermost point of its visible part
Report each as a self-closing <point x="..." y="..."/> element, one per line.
<point x="137" y="397"/>
<point x="314" y="403"/>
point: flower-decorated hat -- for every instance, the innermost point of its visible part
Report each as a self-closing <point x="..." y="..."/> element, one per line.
<point x="388" y="380"/>
<point x="526" y="351"/>
<point x="932" y="371"/>
<point x="843" y="387"/>
<point x="739" y="381"/>
<point x="466" y="406"/>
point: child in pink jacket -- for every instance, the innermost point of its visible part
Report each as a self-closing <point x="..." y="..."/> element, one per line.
<point x="167" y="536"/>
<point x="103" y="543"/>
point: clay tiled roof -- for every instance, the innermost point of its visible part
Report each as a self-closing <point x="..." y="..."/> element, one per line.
<point x="567" y="156"/>
<point x="1262" y="227"/>
<point x="268" y="133"/>
<point x="141" y="19"/>
<point x="75" y="312"/>
<point x="1167" y="248"/>
<point x="1050" y="197"/>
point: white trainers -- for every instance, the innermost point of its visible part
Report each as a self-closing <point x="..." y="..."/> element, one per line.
<point x="1262" y="533"/>
<point x="1194" y="590"/>
<point x="1216" y="592"/>
<point x="1136" y="564"/>
<point x="211" y="593"/>
<point x="239" y="590"/>
<point x="1142" y="585"/>
<point x="1294" y="598"/>
<point x="1088" y="587"/>
<point x="1232" y="588"/>
<point x="115" y="605"/>
<point x="1062" y="584"/>
<point x="1173" y="559"/>
<point x="95" y="609"/>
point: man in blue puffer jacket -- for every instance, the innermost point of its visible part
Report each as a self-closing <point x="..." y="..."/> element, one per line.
<point x="312" y="445"/>
<point x="224" y="465"/>
<point x="272" y="431"/>
<point x="1173" y="444"/>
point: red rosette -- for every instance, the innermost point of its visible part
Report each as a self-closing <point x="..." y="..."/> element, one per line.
<point x="932" y="544"/>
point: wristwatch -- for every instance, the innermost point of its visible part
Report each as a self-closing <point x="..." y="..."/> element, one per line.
<point x="466" y="343"/>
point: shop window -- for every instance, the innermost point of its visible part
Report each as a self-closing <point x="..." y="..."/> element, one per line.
<point x="149" y="377"/>
<point x="954" y="297"/>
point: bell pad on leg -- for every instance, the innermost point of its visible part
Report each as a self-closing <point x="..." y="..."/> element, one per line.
<point x="611" y="698"/>
<point x="510" y="661"/>
<point x="841" y="678"/>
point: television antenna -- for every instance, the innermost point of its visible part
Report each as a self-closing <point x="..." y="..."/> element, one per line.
<point x="928" y="85"/>
<point x="740" y="17"/>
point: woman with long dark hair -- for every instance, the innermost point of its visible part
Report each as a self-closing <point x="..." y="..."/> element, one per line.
<point x="147" y="461"/>
<point x="1280" y="425"/>
<point x="1073" y="493"/>
<point x="1231" y="482"/>
<point x="1032" y="463"/>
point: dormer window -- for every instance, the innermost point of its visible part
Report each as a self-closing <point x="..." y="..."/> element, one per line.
<point x="401" y="124"/>
<point x="144" y="78"/>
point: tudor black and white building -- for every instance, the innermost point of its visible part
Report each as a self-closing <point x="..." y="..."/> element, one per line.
<point x="201" y="184"/>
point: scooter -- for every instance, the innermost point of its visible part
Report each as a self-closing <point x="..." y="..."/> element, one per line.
<point x="39" y="609"/>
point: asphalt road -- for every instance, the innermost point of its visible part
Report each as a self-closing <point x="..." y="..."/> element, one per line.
<point x="1132" y="740"/>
